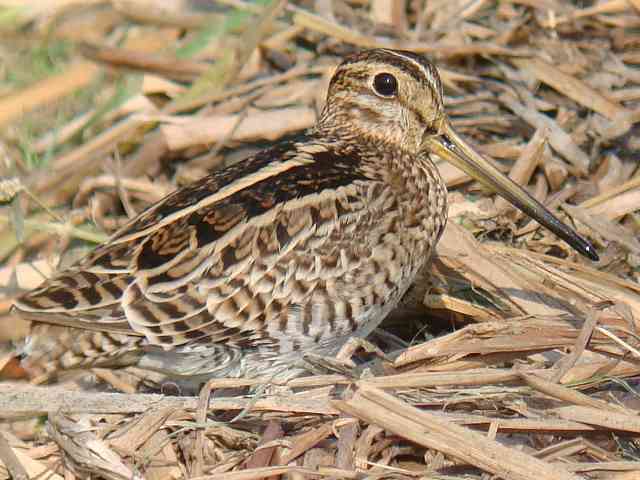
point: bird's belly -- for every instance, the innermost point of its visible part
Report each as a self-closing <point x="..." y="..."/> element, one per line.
<point x="322" y="326"/>
<point x="378" y="265"/>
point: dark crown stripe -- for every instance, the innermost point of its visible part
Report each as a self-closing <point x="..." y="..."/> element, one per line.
<point x="428" y="72"/>
<point x="411" y="63"/>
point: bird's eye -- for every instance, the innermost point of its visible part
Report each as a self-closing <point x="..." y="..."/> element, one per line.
<point x="385" y="84"/>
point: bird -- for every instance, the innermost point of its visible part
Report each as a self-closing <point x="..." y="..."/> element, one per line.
<point x="293" y="251"/>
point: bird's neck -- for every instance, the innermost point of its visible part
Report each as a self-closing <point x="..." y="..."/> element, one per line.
<point x="414" y="173"/>
<point x="406" y="171"/>
<point x="361" y="126"/>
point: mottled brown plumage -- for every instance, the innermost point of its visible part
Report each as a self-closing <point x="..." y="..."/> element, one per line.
<point x="292" y="251"/>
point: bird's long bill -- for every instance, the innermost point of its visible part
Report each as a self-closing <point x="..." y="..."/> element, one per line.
<point x="450" y="147"/>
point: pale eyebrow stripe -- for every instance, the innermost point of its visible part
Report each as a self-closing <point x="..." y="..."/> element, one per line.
<point x="427" y="73"/>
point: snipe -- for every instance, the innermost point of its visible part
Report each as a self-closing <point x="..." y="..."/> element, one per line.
<point x="293" y="251"/>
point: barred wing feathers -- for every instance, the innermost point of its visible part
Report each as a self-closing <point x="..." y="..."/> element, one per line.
<point x="248" y="257"/>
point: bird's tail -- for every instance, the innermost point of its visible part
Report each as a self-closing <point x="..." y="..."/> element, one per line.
<point x="50" y="350"/>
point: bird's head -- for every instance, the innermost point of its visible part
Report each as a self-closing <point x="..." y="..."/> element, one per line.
<point x="395" y="98"/>
<point x="388" y="96"/>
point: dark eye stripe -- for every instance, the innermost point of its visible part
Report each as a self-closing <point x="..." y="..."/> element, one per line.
<point x="415" y="64"/>
<point x="411" y="63"/>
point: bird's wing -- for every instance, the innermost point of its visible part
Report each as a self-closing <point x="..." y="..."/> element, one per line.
<point x="228" y="258"/>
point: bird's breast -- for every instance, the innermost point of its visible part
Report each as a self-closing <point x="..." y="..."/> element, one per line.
<point x="421" y="197"/>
